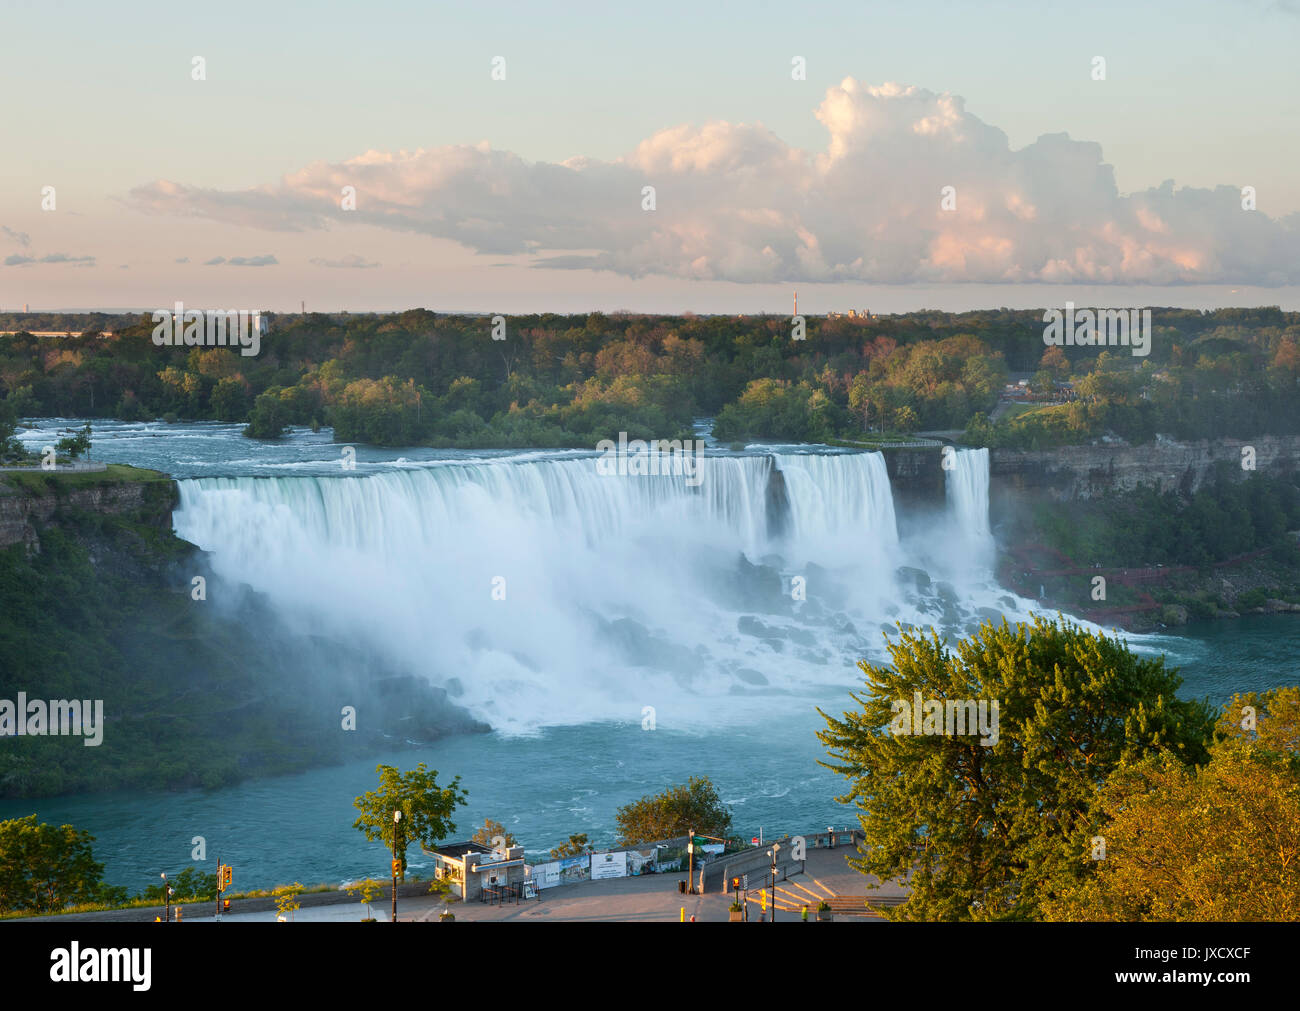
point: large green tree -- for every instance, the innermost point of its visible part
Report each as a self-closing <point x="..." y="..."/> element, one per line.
<point x="981" y="829"/>
<point x="675" y="811"/>
<point x="44" y="868"/>
<point x="426" y="808"/>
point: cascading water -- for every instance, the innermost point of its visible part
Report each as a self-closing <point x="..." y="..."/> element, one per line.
<point x="834" y="496"/>
<point x="967" y="487"/>
<point x="543" y="592"/>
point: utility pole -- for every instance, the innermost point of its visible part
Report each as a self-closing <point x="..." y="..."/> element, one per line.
<point x="690" y="853"/>
<point x="775" y="847"/>
<point x="167" y="900"/>
<point x="397" y="818"/>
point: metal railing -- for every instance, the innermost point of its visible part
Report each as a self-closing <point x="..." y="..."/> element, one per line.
<point x="85" y="467"/>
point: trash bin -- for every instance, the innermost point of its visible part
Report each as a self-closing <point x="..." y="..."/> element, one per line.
<point x="681" y="887"/>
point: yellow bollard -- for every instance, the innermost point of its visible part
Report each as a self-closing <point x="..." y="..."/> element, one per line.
<point x="683" y="920"/>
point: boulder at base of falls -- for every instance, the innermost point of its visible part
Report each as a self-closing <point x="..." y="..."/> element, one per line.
<point x="913" y="577"/>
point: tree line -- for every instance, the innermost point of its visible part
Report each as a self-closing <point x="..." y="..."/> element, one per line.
<point x="423" y="378"/>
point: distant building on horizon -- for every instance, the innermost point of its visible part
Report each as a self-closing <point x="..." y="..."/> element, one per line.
<point x="860" y="314"/>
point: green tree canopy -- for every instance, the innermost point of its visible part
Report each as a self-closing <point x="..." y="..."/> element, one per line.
<point x="43" y="868"/>
<point x="980" y="828"/>
<point x="74" y="445"/>
<point x="190" y="885"/>
<point x="1220" y="842"/>
<point x="426" y="808"/>
<point x="674" y="812"/>
<point x="269" y="417"/>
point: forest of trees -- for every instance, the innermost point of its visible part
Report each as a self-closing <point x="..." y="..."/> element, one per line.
<point x="421" y="378"/>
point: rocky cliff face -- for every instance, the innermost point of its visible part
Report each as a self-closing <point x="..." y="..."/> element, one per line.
<point x="1083" y="472"/>
<point x="22" y="511"/>
<point x="916" y="476"/>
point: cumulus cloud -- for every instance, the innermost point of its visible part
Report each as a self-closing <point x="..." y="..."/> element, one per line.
<point x="352" y="260"/>
<point x="735" y="202"/>
<point x="266" y="260"/>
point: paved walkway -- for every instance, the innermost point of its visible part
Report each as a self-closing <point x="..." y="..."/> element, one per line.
<point x="62" y="468"/>
<point x="649" y="898"/>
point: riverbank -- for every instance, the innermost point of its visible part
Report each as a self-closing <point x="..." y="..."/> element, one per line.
<point x="1154" y="598"/>
<point x="102" y="602"/>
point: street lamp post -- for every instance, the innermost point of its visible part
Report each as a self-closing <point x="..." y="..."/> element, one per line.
<point x="690" y="855"/>
<point x="167" y="900"/>
<point x="397" y="818"/>
<point x="775" y="847"/>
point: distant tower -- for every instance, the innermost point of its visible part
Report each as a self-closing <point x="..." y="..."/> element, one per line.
<point x="304" y="306"/>
<point x="796" y="303"/>
<point x="25" y="307"/>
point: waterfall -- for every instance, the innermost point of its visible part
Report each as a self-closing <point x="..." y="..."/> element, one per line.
<point x="968" y="503"/>
<point x="834" y="494"/>
<point x="541" y="591"/>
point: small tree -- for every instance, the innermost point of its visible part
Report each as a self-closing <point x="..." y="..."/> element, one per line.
<point x="74" y="445"/>
<point x="190" y="885"/>
<point x="575" y="847"/>
<point x="441" y="887"/>
<point x="1055" y="362"/>
<point x="489" y="831"/>
<point x="426" y="809"/>
<point x="369" y="889"/>
<point x="1042" y="384"/>
<point x="905" y="419"/>
<point x="286" y="899"/>
<point x="674" y="812"/>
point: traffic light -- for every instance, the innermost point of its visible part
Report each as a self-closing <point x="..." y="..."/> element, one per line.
<point x="397" y="868"/>
<point x="223" y="877"/>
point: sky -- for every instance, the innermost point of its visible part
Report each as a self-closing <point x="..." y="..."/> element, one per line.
<point x="499" y="155"/>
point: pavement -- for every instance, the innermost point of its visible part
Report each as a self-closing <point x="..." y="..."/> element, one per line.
<point x="651" y="898"/>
